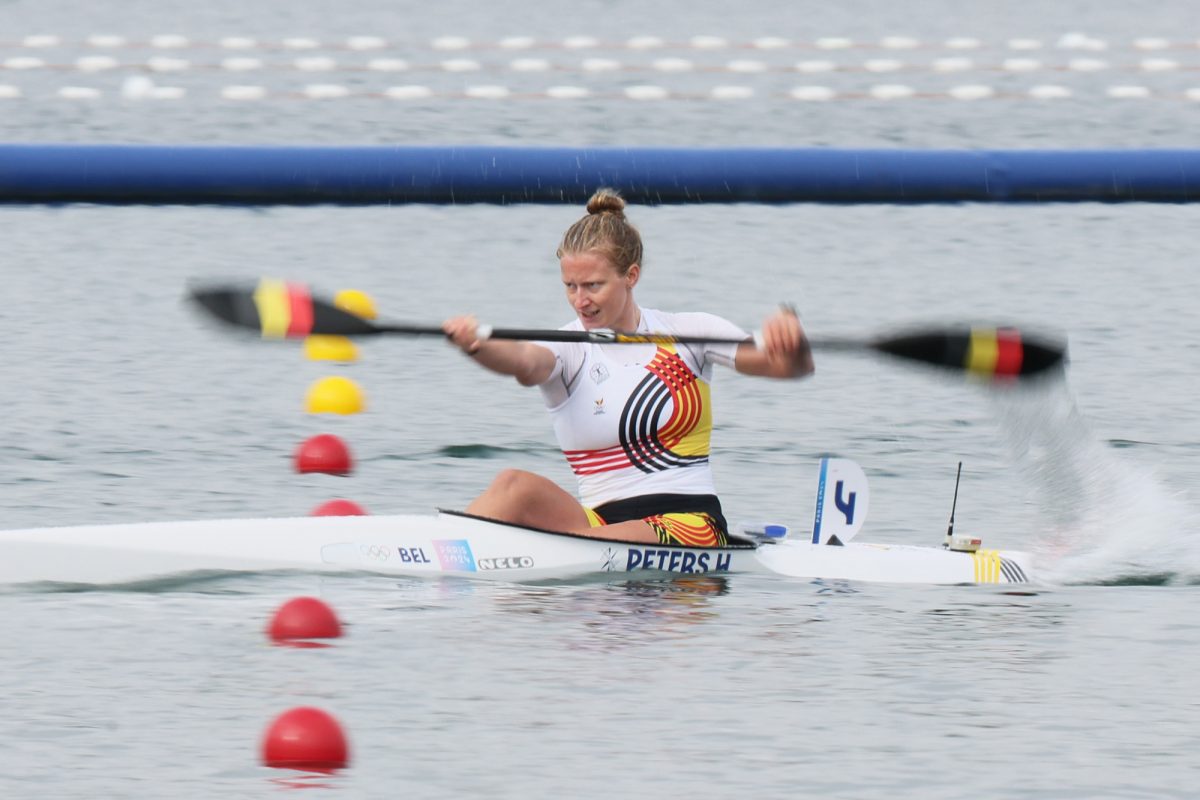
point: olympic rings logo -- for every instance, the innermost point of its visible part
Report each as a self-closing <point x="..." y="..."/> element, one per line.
<point x="378" y="552"/>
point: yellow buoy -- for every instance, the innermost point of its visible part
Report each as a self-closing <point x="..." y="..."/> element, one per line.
<point x="334" y="395"/>
<point x="356" y="302"/>
<point x="330" y="348"/>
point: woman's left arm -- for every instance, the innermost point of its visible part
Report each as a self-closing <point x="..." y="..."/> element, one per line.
<point x="785" y="352"/>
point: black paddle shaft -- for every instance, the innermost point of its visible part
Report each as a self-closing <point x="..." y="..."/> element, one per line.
<point x="949" y="348"/>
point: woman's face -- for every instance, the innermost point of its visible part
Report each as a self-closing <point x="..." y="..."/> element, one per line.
<point x="601" y="297"/>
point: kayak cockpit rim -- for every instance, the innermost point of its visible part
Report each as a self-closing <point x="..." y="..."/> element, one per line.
<point x="736" y="542"/>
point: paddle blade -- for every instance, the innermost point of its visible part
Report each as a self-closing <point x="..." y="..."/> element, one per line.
<point x="278" y="310"/>
<point x="991" y="353"/>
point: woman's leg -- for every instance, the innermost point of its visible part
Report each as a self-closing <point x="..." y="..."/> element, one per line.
<point x="635" y="530"/>
<point x="525" y="498"/>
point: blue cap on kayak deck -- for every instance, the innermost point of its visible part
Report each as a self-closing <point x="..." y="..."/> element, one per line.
<point x="775" y="531"/>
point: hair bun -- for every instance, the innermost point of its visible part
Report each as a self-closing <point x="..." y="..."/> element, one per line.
<point x="606" y="200"/>
<point x="606" y="231"/>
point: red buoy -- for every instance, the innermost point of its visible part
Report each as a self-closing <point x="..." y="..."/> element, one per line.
<point x="339" y="508"/>
<point x="304" y="618"/>
<point x="324" y="453"/>
<point x="305" y="738"/>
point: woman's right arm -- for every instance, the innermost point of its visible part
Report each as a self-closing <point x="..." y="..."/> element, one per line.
<point x="529" y="363"/>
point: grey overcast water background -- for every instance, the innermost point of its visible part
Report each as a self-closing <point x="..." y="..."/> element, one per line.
<point x="122" y="406"/>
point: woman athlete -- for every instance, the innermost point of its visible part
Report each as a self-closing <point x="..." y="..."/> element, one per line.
<point x="634" y="421"/>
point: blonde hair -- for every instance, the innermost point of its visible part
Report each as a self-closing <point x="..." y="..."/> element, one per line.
<point x="605" y="230"/>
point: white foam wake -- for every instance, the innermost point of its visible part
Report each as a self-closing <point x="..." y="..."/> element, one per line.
<point x="1104" y="519"/>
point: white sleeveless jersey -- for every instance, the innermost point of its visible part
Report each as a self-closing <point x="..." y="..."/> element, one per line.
<point x="637" y="419"/>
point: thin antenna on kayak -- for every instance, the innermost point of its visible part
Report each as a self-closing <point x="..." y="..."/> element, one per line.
<point x="953" y="506"/>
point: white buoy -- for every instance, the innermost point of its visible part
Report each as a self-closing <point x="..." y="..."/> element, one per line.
<point x="1020" y="65"/>
<point x="971" y="92"/>
<point x="1049" y="92"/>
<point x="79" y="93"/>
<point x="41" y="40"/>
<point x="1128" y="92"/>
<point x="883" y="65"/>
<point x="1159" y="65"/>
<point x="600" y="65"/>
<point x="770" y="43"/>
<point x="106" y="40"/>
<point x="646" y="93"/>
<point x="487" y="92"/>
<point x="952" y="64"/>
<point x="963" y="43"/>
<point x="833" y="43"/>
<point x="815" y="66"/>
<point x="672" y="65"/>
<point x="366" y="43"/>
<point x="645" y="43"/>
<point x="1086" y="65"/>
<point x="1081" y="41"/>
<point x="169" y="41"/>
<point x="899" y="43"/>
<point x="96" y="63"/>
<point x="237" y="43"/>
<point x="580" y="42"/>
<point x="708" y="42"/>
<point x="137" y="87"/>
<point x="731" y="93"/>
<point x="316" y="64"/>
<point x="243" y="92"/>
<point x="460" y="65"/>
<point x="529" y="65"/>
<point x="891" y="91"/>
<point x="1151" y="43"/>
<point x="747" y="66"/>
<point x="301" y="43"/>
<point x="325" y="91"/>
<point x="813" y="93"/>
<point x="387" y="65"/>
<point x="23" y="62"/>
<point x="517" y="42"/>
<point x="241" y="64"/>
<point x="450" y="43"/>
<point x="408" y="92"/>
<point x="9" y="92"/>
<point x="1024" y="44"/>
<point x="568" y="92"/>
<point x="165" y="64"/>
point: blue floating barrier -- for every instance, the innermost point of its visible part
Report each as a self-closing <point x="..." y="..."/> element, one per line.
<point x="368" y="175"/>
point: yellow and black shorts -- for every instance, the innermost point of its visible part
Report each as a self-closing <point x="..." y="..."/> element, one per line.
<point x="683" y="519"/>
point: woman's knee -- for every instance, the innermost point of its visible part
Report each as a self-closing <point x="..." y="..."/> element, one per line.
<point x="516" y="482"/>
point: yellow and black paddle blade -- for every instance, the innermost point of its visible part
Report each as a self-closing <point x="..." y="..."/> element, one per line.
<point x="991" y="353"/>
<point x="279" y="310"/>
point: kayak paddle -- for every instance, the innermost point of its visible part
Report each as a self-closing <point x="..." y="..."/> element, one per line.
<point x="280" y="310"/>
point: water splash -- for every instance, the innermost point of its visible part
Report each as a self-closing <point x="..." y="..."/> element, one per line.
<point x="1104" y="519"/>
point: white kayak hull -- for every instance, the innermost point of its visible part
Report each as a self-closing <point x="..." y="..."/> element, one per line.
<point x="451" y="544"/>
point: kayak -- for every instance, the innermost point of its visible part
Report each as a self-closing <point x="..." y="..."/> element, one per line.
<point x="455" y="544"/>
